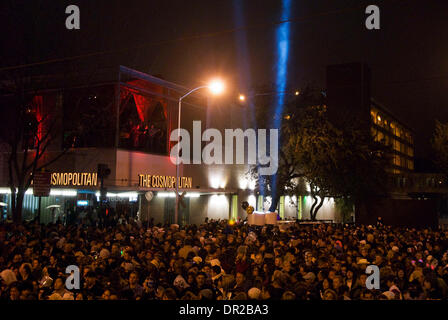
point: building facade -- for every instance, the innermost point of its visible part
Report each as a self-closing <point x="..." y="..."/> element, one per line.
<point x="396" y="135"/>
<point x="350" y="101"/>
<point x="125" y="123"/>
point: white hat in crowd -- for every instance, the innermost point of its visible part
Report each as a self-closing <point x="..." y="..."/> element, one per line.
<point x="254" y="293"/>
<point x="8" y="276"/>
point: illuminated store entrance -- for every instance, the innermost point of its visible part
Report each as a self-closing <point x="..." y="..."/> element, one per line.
<point x="184" y="211"/>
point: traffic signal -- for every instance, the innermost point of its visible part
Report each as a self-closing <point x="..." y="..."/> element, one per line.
<point x="103" y="170"/>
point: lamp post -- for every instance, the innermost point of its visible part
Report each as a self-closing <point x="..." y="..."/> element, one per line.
<point x="215" y="87"/>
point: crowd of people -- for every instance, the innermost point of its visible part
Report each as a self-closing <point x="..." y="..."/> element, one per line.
<point x="221" y="261"/>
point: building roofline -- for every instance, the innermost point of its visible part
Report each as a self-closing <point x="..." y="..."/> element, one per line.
<point x="391" y="114"/>
<point x="171" y="85"/>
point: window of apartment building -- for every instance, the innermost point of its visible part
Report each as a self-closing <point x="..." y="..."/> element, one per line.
<point x="403" y="162"/>
<point x="409" y="138"/>
<point x="380" y="121"/>
<point x="398" y="131"/>
<point x="374" y="133"/>
<point x="396" y="145"/>
<point x="386" y="140"/>
<point x="397" y="160"/>
<point x="410" y="151"/>
<point x="402" y="148"/>
<point x="373" y="116"/>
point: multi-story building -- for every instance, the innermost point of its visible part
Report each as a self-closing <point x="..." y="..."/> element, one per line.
<point x="411" y="198"/>
<point x="386" y="128"/>
<point x="124" y="119"/>
<point x="350" y="101"/>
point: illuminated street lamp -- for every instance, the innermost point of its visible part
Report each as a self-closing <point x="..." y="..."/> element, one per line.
<point x="215" y="86"/>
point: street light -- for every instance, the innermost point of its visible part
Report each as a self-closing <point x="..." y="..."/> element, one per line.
<point x="215" y="86"/>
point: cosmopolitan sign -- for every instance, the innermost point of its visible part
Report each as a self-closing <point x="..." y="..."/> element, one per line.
<point x="155" y="181"/>
<point x="74" y="179"/>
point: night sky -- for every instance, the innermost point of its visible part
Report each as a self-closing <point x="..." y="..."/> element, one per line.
<point x="189" y="41"/>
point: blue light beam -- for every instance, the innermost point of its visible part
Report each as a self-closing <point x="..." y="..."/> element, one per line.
<point x="282" y="42"/>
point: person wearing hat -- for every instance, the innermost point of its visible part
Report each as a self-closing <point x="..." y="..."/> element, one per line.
<point x="206" y="294"/>
<point x="391" y="282"/>
<point x="329" y="294"/>
<point x="8" y="276"/>
<point x="254" y="294"/>
<point x="309" y="277"/>
<point x="389" y="295"/>
<point x="362" y="264"/>
<point x="180" y="283"/>
<point x="104" y="254"/>
<point x="197" y="260"/>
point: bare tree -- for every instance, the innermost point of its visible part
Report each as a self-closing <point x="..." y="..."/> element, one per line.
<point x="27" y="134"/>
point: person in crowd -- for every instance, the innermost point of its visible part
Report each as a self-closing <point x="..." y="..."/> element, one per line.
<point x="216" y="260"/>
<point x="134" y="286"/>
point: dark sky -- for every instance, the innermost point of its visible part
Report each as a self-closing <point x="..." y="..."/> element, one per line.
<point x="188" y="41"/>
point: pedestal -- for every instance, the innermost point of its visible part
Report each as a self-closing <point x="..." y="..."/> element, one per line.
<point x="271" y="218"/>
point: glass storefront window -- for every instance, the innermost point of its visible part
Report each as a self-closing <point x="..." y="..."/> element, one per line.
<point x="234" y="213"/>
<point x="260" y="204"/>
<point x="282" y="207"/>
<point x="143" y="122"/>
<point x="89" y="117"/>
